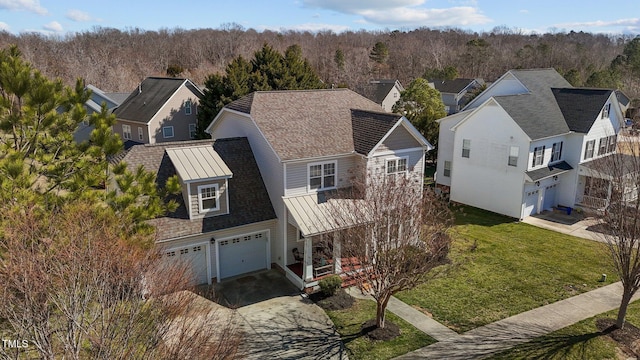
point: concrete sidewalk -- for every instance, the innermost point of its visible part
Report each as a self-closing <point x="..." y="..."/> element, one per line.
<point x="507" y="333"/>
<point x="578" y="229"/>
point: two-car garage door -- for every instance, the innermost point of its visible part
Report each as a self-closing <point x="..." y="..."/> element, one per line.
<point x="235" y="256"/>
<point x="243" y="254"/>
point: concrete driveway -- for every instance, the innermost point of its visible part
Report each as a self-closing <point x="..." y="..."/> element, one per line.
<point x="288" y="327"/>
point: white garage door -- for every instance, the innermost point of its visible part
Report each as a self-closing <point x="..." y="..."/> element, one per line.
<point x="194" y="258"/>
<point x="531" y="203"/>
<point x="550" y="196"/>
<point x="242" y="254"/>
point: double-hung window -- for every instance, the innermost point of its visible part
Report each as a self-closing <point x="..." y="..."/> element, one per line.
<point x="556" y="152"/>
<point x="187" y="107"/>
<point x="208" y="198"/>
<point x="192" y="131"/>
<point x="538" y="155"/>
<point x="322" y="175"/>
<point x="588" y="149"/>
<point x="447" y="169"/>
<point x="612" y="143"/>
<point x="126" y="132"/>
<point x="605" y="111"/>
<point x="397" y="166"/>
<point x="513" y="156"/>
<point x="466" y="148"/>
<point x="140" y="134"/>
<point x="604" y="145"/>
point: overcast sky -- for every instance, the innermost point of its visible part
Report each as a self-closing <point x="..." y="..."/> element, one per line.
<point x="69" y="16"/>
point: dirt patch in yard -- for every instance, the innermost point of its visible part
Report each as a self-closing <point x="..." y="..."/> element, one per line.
<point x="627" y="339"/>
<point x="340" y="301"/>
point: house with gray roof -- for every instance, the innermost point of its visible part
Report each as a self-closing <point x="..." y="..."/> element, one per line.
<point x="307" y="144"/>
<point x="455" y="93"/>
<point x="225" y="222"/>
<point x="384" y="92"/>
<point x="525" y="145"/>
<point x="97" y="99"/>
<point x="159" y="109"/>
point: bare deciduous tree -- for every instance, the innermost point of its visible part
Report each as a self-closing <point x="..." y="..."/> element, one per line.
<point x="394" y="233"/>
<point x="75" y="287"/>
<point x="619" y="175"/>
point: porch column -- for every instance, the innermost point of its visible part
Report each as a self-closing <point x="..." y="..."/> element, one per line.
<point x="609" y="190"/>
<point x="337" y="256"/>
<point x="307" y="266"/>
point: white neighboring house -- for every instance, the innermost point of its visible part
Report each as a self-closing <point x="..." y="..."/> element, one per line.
<point x="384" y="92"/>
<point x="527" y="144"/>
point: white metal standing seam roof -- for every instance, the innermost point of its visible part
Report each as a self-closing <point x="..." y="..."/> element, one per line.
<point x="314" y="216"/>
<point x="198" y="163"/>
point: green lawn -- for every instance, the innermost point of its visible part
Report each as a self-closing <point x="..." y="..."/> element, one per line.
<point x="579" y="341"/>
<point x="502" y="267"/>
<point x="348" y="324"/>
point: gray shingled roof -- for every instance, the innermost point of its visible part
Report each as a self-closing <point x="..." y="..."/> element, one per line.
<point x="376" y="90"/>
<point x="451" y="86"/>
<point x="152" y="93"/>
<point x="370" y="127"/>
<point x="305" y="123"/>
<point x="580" y="106"/>
<point x="548" y="171"/>
<point x="248" y="198"/>
<point x="536" y="112"/>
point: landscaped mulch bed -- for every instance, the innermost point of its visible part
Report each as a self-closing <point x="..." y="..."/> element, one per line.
<point x="390" y="330"/>
<point x="628" y="338"/>
<point x="340" y="301"/>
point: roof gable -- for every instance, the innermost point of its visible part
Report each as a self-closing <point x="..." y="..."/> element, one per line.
<point x="581" y="107"/>
<point x="377" y="90"/>
<point x="454" y="86"/>
<point x="150" y="96"/>
<point x="369" y="128"/>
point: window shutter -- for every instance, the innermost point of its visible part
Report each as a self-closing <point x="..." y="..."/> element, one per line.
<point x="560" y="157"/>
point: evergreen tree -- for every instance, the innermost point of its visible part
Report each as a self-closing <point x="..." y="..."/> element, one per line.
<point x="339" y="59"/>
<point x="268" y="70"/>
<point x="379" y="53"/>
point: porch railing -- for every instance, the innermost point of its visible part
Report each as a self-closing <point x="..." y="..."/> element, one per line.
<point x="593" y="202"/>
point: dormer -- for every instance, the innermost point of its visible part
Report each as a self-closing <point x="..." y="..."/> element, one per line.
<point x="204" y="177"/>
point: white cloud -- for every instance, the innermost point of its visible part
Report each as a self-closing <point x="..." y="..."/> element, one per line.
<point x="78" y="15"/>
<point x="311" y="27"/>
<point x="53" y="26"/>
<point x="404" y="12"/>
<point x="631" y="26"/>
<point x="4" y="26"/>
<point x="24" y="5"/>
<point x="524" y="11"/>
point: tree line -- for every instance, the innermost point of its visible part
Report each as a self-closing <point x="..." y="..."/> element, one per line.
<point x="117" y="60"/>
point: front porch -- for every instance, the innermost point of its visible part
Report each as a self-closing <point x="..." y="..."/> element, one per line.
<point x="596" y="187"/>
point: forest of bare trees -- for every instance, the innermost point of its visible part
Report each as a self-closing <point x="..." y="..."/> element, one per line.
<point x="116" y="60"/>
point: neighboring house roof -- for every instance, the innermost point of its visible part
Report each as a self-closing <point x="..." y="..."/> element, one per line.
<point x="248" y="198"/>
<point x="536" y="111"/>
<point x="581" y="107"/>
<point x="377" y="90"/>
<point x="149" y="97"/>
<point x="548" y="171"/>
<point x="198" y="163"/>
<point x="98" y="97"/>
<point x="454" y="86"/>
<point x="118" y="97"/>
<point x="369" y="128"/>
<point x="301" y="124"/>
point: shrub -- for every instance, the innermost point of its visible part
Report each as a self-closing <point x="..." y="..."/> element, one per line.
<point x="330" y="284"/>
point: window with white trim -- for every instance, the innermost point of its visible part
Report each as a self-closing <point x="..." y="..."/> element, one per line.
<point x="588" y="149"/>
<point x="187" y="107"/>
<point x="605" y="111"/>
<point x="604" y="145"/>
<point x="447" y="169"/>
<point x="556" y="151"/>
<point x="167" y="132"/>
<point x="322" y="175"/>
<point x="192" y="131"/>
<point x="466" y="148"/>
<point x="513" y="156"/>
<point x="612" y="143"/>
<point x="126" y="132"/>
<point x="538" y="155"/>
<point x="208" y="198"/>
<point x="397" y="166"/>
<point x="140" y="134"/>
